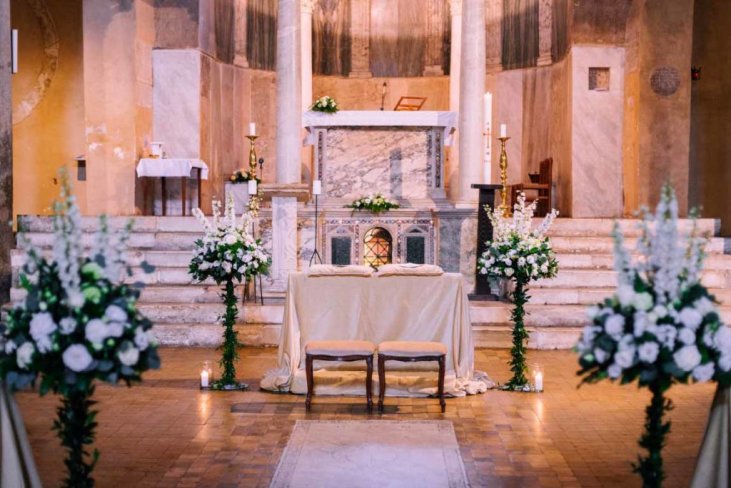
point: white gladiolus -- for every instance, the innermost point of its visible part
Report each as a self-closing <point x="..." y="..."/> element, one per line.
<point x="24" y="355"/>
<point x="687" y="357"/>
<point x="614" y="325"/>
<point x="704" y="372"/>
<point x="114" y="313"/>
<point x="648" y="351"/>
<point x="690" y="317"/>
<point x="96" y="331"/>
<point x="77" y="358"/>
<point x="128" y="354"/>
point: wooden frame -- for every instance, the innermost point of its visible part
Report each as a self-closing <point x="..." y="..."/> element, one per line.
<point x="382" y="358"/>
<point x="310" y="358"/>
<point x="410" y="104"/>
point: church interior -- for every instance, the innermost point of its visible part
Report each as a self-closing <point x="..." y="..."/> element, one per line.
<point x="333" y="230"/>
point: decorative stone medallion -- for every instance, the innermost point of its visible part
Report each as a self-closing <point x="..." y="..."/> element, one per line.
<point x="665" y="81"/>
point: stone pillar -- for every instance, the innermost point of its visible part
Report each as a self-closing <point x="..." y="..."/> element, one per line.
<point x="240" y="58"/>
<point x="494" y="21"/>
<point x="435" y="31"/>
<point x="455" y="10"/>
<point x="6" y="156"/>
<point x="360" y="34"/>
<point x="306" y="26"/>
<point x="288" y="141"/>
<point x="471" y="94"/>
<point x="545" y="31"/>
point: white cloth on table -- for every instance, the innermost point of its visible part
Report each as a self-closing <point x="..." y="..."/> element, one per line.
<point x="333" y="270"/>
<point x="171" y="167"/>
<point x="409" y="269"/>
<point x="714" y="458"/>
<point x="408" y="308"/>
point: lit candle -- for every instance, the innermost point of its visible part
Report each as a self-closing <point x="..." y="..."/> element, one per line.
<point x="252" y="187"/>
<point x="316" y="187"/>
<point x="539" y="381"/>
<point x="204" y="378"/>
<point x="252" y="129"/>
<point x="503" y="130"/>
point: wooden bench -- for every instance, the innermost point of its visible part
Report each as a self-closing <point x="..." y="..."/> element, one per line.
<point x="408" y="351"/>
<point x="339" y="351"/>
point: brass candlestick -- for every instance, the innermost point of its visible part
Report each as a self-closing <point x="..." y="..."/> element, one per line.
<point x="503" y="175"/>
<point x="253" y="199"/>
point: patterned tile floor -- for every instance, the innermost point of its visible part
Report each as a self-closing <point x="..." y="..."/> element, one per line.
<point x="167" y="433"/>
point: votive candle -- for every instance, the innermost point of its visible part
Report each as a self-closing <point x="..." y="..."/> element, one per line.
<point x="204" y="378"/>
<point x="539" y="381"/>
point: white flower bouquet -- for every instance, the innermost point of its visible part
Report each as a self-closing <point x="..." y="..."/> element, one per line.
<point x="79" y="323"/>
<point x="375" y="203"/>
<point x="227" y="253"/>
<point x="660" y="327"/>
<point x="521" y="254"/>
<point x="325" y="104"/>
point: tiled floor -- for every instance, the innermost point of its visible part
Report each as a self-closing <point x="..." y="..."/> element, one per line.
<point x="166" y="432"/>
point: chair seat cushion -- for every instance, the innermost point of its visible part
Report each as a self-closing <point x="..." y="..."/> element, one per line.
<point x="340" y="348"/>
<point x="409" y="349"/>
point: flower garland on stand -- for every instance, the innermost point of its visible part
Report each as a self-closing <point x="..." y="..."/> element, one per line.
<point x="78" y="323"/>
<point x="325" y="104"/>
<point x="375" y="203"/>
<point x="661" y="326"/>
<point x="522" y="255"/>
<point x="227" y="254"/>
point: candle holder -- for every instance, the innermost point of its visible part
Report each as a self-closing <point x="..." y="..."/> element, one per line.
<point x="537" y="379"/>
<point x="254" y="200"/>
<point x="206" y="376"/>
<point x="316" y="254"/>
<point x="503" y="175"/>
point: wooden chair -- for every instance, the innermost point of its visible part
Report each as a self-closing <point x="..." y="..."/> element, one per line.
<point x="541" y="186"/>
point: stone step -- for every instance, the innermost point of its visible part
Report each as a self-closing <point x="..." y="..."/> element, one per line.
<point x="605" y="245"/>
<point x="629" y="227"/>
<point x="591" y="296"/>
<point x="209" y="313"/>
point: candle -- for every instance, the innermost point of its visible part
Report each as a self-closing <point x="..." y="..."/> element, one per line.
<point x="14" y="54"/>
<point x="503" y="130"/>
<point x="204" y="378"/>
<point x="252" y="187"/>
<point x="316" y="187"/>
<point x="539" y="381"/>
<point x="486" y="173"/>
<point x="252" y="129"/>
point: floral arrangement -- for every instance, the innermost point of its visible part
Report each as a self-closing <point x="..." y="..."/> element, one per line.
<point x="522" y="255"/>
<point x="374" y="203"/>
<point x="227" y="253"/>
<point x="325" y="104"/>
<point x="79" y="323"/>
<point x="241" y="176"/>
<point x="660" y="327"/>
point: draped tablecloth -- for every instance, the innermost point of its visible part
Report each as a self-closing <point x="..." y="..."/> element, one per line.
<point x="170" y="167"/>
<point x="714" y="458"/>
<point x="17" y="468"/>
<point x="377" y="309"/>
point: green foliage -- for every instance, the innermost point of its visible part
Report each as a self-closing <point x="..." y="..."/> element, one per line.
<point x="520" y="336"/>
<point x="75" y="425"/>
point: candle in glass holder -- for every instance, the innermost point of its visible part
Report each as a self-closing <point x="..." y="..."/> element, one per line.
<point x="317" y="187"/>
<point x="503" y="130"/>
<point x="252" y="129"/>
<point x="539" y="380"/>
<point x="252" y="187"/>
<point x="205" y="378"/>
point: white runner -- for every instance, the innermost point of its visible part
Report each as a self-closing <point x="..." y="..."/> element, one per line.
<point x="170" y="167"/>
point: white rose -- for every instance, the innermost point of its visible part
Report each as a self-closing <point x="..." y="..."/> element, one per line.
<point x="142" y="339"/>
<point x="230" y="239"/>
<point x="67" y="325"/>
<point x="704" y="306"/>
<point x="25" y="355"/>
<point x="724" y="362"/>
<point x="704" y="372"/>
<point x="509" y="272"/>
<point x="722" y="340"/>
<point x="96" y="331"/>
<point x="666" y="334"/>
<point x="113" y="313"/>
<point x="625" y="358"/>
<point x="10" y="346"/>
<point x="204" y="266"/>
<point x="41" y="327"/>
<point x="626" y="295"/>
<point x="593" y="312"/>
<point x="690" y="317"/>
<point x="601" y="355"/>
<point x="75" y="299"/>
<point x="521" y="262"/>
<point x="660" y="311"/>
<point x="686" y="336"/>
<point x="614" y="371"/>
<point x="531" y="259"/>
<point x="115" y="329"/>
<point x="77" y="358"/>
<point x="544" y="268"/>
<point x="643" y="301"/>
<point x="687" y="357"/>
<point x="641" y="322"/>
<point x="614" y="325"/>
<point x="128" y="354"/>
<point x="648" y="351"/>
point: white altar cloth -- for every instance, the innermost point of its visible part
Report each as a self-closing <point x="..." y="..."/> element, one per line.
<point x="409" y="308"/>
<point x="170" y="168"/>
<point x="378" y="118"/>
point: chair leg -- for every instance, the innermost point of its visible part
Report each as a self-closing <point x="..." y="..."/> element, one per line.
<point x="310" y="382"/>
<point x="369" y="382"/>
<point x="440" y="389"/>
<point x="381" y="381"/>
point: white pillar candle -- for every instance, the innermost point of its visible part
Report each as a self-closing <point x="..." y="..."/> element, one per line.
<point x="486" y="173"/>
<point x="14" y="42"/>
<point x="316" y="187"/>
<point x="252" y="129"/>
<point x="539" y="381"/>
<point x="204" y="378"/>
<point x="503" y="130"/>
<point x="252" y="187"/>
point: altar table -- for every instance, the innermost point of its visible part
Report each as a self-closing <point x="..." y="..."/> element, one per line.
<point x="173" y="168"/>
<point x="377" y="309"/>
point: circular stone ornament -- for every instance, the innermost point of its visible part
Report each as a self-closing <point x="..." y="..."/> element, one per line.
<point x="665" y="81"/>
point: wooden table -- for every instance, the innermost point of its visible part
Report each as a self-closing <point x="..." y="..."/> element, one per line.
<point x="164" y="168"/>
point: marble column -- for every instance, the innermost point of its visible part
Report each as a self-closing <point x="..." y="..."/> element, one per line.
<point x="306" y="28"/>
<point x="6" y="156"/>
<point x="360" y="35"/>
<point x="494" y="47"/>
<point x="288" y="140"/>
<point x="435" y="31"/>
<point x="545" y="31"/>
<point x="240" y="58"/>
<point x="471" y="95"/>
<point x="455" y="10"/>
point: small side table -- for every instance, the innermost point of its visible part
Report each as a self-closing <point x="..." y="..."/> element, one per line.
<point x="484" y="234"/>
<point x="164" y="168"/>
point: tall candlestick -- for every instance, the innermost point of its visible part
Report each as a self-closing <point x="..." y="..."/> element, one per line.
<point x="503" y="173"/>
<point x="252" y="129"/>
<point x="503" y="130"/>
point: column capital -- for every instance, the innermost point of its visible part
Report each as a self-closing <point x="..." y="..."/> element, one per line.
<point x="455" y="7"/>
<point x="308" y="6"/>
